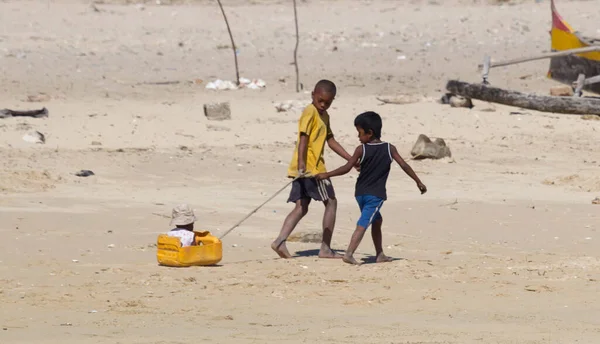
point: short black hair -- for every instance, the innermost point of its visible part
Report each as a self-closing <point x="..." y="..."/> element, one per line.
<point x="370" y="122"/>
<point x="327" y="86"/>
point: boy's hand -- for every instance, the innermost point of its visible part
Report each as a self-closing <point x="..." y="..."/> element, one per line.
<point x="301" y="167"/>
<point x="357" y="167"/>
<point x="321" y="176"/>
<point x="422" y="187"/>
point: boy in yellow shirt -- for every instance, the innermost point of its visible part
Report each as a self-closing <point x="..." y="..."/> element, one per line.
<point x="314" y="131"/>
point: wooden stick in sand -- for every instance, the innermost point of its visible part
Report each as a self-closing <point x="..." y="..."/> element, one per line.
<point x="237" y="71"/>
<point x="296" y="48"/>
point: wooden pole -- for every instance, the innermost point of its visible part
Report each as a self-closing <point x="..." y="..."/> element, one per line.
<point x="543" y="56"/>
<point x="237" y="71"/>
<point x="486" y="69"/>
<point x="564" y="105"/>
<point x="592" y="80"/>
<point x="579" y="85"/>
<point x="296" y="48"/>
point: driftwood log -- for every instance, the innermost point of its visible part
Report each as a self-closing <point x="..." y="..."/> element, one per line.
<point x="564" y="105"/>
<point x="4" y="113"/>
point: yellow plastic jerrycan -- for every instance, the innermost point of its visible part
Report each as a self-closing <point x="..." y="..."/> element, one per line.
<point x="170" y="253"/>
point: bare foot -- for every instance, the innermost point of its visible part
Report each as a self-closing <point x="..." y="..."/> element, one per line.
<point x="382" y="258"/>
<point x="327" y="252"/>
<point x="350" y="260"/>
<point x="281" y="249"/>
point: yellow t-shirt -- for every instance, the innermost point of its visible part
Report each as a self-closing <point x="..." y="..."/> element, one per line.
<point x="318" y="130"/>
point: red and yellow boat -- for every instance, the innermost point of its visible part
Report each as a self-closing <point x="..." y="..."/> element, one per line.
<point x="566" y="69"/>
<point x="574" y="61"/>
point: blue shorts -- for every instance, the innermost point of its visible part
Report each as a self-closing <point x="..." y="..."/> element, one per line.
<point x="369" y="210"/>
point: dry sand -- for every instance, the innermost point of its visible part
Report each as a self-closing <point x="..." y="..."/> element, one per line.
<point x="502" y="249"/>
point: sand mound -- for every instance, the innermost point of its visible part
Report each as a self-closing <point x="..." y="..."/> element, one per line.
<point x="576" y="182"/>
<point x="26" y="181"/>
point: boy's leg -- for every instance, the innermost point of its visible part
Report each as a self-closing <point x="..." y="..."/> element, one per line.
<point x="369" y="212"/>
<point x="299" y="196"/>
<point x="289" y="224"/>
<point x="357" y="236"/>
<point x="378" y="241"/>
<point x="323" y="190"/>
<point x="328" y="224"/>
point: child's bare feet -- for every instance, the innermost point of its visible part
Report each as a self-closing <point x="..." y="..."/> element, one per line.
<point x="327" y="252"/>
<point x="281" y="249"/>
<point x="350" y="260"/>
<point x="382" y="258"/>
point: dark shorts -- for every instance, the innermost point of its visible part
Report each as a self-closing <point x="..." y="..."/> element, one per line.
<point x="319" y="190"/>
<point x="370" y="207"/>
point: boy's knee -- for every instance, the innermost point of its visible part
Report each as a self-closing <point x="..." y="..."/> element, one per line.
<point x="301" y="207"/>
<point x="332" y="202"/>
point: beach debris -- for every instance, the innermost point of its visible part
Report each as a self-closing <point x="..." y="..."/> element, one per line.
<point x="5" y="113"/>
<point x="561" y="91"/>
<point x="401" y="99"/>
<point x="316" y="237"/>
<point x="160" y="83"/>
<point x="538" y="288"/>
<point x="161" y="215"/>
<point x="289" y="105"/>
<point x="424" y="148"/>
<point x="84" y="173"/>
<point x="217" y="128"/>
<point x="596" y="200"/>
<point x="221" y="85"/>
<point x="94" y="8"/>
<point x="217" y="111"/>
<point x="34" y="137"/>
<point x="456" y="101"/>
<point x="253" y="84"/>
<point x="590" y="117"/>
<point x="38" y="98"/>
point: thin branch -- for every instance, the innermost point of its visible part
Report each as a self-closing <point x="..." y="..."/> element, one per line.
<point x="237" y="71"/>
<point x="296" y="48"/>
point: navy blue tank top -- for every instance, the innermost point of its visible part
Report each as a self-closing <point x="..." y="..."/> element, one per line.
<point x="374" y="170"/>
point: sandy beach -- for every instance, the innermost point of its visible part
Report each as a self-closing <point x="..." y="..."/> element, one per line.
<point x="502" y="249"/>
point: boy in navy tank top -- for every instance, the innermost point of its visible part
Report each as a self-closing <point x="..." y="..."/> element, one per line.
<point x="375" y="158"/>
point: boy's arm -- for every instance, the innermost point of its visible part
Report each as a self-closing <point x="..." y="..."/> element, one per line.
<point x="302" y="150"/>
<point x="338" y="149"/>
<point x="305" y="127"/>
<point x="407" y="169"/>
<point x="340" y="171"/>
